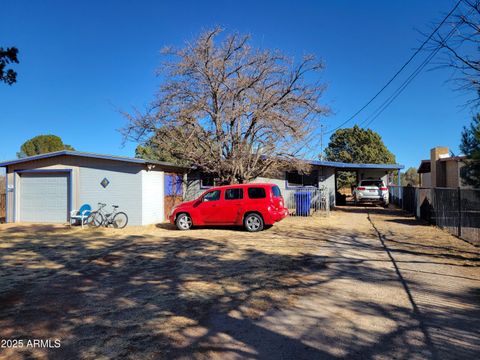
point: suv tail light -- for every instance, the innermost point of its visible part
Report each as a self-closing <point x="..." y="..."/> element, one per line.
<point x="360" y="188"/>
<point x="384" y="188"/>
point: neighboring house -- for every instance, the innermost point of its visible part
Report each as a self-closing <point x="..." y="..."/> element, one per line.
<point x="45" y="188"/>
<point x="442" y="170"/>
<point x="322" y="176"/>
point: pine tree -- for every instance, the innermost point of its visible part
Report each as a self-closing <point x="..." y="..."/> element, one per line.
<point x="470" y="146"/>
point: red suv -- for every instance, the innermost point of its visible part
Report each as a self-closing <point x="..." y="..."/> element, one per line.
<point x="252" y="205"/>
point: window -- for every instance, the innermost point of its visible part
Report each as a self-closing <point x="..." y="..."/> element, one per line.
<point x="173" y="185"/>
<point x="276" y="191"/>
<point x="212" y="196"/>
<point x="377" y="183"/>
<point x="233" y="194"/>
<point x="206" y="180"/>
<point x="294" y="178"/>
<point x="256" y="193"/>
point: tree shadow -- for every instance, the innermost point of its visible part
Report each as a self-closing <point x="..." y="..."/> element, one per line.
<point x="183" y="294"/>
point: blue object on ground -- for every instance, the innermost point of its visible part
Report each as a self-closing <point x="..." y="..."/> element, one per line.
<point x="302" y="203"/>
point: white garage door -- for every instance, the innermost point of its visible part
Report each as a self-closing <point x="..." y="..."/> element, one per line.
<point x="44" y="197"/>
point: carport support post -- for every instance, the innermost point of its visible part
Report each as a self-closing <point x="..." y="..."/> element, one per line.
<point x="399" y="181"/>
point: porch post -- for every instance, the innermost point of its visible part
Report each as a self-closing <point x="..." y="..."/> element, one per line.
<point x="400" y="192"/>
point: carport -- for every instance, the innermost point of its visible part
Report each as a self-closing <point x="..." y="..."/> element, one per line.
<point x="362" y="171"/>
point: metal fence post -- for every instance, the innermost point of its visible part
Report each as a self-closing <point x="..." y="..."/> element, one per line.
<point x="459" y="212"/>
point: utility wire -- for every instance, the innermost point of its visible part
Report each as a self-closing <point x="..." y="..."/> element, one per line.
<point x="412" y="76"/>
<point x="399" y="71"/>
<point x="400" y="89"/>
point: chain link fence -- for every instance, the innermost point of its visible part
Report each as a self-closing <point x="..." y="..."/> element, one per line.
<point x="455" y="210"/>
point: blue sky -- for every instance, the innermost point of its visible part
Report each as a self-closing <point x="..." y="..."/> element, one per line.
<point x="80" y="62"/>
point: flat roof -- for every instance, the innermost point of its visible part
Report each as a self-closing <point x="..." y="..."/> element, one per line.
<point x="425" y="167"/>
<point x="454" y="158"/>
<point x="342" y="165"/>
<point x="93" y="156"/>
<point x="334" y="164"/>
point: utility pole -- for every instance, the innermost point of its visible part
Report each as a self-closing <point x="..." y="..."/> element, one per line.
<point x="322" y="131"/>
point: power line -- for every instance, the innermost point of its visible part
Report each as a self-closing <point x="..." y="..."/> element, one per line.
<point x="399" y="90"/>
<point x="404" y="85"/>
<point x="400" y="70"/>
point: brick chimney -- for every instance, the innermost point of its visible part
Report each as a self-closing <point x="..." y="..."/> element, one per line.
<point x="436" y="170"/>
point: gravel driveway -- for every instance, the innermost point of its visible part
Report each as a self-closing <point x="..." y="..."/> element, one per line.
<point x="364" y="283"/>
<point x="393" y="288"/>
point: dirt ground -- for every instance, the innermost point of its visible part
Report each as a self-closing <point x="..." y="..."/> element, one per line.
<point x="367" y="283"/>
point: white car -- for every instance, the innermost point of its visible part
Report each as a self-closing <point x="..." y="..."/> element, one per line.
<point x="371" y="190"/>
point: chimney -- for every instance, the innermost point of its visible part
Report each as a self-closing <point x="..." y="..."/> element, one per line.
<point x="437" y="171"/>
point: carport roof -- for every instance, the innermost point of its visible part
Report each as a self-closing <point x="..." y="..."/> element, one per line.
<point x="352" y="166"/>
<point x="93" y="156"/>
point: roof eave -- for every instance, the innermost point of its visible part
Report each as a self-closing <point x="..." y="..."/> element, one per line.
<point x="357" y="166"/>
<point x="93" y="156"/>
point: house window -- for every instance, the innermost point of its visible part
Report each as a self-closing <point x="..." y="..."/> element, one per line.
<point x="296" y="179"/>
<point x="207" y="180"/>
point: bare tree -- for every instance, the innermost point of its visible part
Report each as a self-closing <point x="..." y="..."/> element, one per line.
<point x="230" y="109"/>
<point x="461" y="42"/>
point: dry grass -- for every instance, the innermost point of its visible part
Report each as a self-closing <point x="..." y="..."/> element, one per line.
<point x="155" y="292"/>
<point x="144" y="291"/>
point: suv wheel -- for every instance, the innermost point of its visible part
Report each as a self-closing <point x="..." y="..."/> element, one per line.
<point x="184" y="222"/>
<point x="253" y="222"/>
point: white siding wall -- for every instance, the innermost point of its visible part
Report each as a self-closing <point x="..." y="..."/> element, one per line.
<point x="124" y="190"/>
<point x="279" y="182"/>
<point x="152" y="197"/>
<point x="328" y="175"/>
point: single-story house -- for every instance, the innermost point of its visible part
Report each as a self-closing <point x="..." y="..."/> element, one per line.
<point x="46" y="188"/>
<point x="323" y="175"/>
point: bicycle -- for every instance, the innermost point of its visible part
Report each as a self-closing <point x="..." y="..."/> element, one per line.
<point x="99" y="217"/>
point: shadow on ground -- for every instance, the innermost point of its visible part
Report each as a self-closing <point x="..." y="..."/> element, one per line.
<point x="166" y="294"/>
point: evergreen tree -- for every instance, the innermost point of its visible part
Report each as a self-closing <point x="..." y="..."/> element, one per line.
<point x="470" y="146"/>
<point x="42" y="144"/>
<point x="7" y="57"/>
<point x="357" y="145"/>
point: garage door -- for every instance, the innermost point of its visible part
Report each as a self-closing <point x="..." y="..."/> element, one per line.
<point x="44" y="197"/>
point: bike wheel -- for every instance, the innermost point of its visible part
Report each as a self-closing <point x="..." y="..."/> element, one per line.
<point x="95" y="219"/>
<point x="120" y="220"/>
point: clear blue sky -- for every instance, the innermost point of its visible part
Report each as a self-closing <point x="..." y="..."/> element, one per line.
<point x="82" y="61"/>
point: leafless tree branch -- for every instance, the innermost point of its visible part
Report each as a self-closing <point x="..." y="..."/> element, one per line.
<point x="237" y="111"/>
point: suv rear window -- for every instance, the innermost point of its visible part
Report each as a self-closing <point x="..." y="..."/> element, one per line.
<point x="256" y="193"/>
<point x="377" y="183"/>
<point x="233" y="194"/>
<point x="276" y="191"/>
